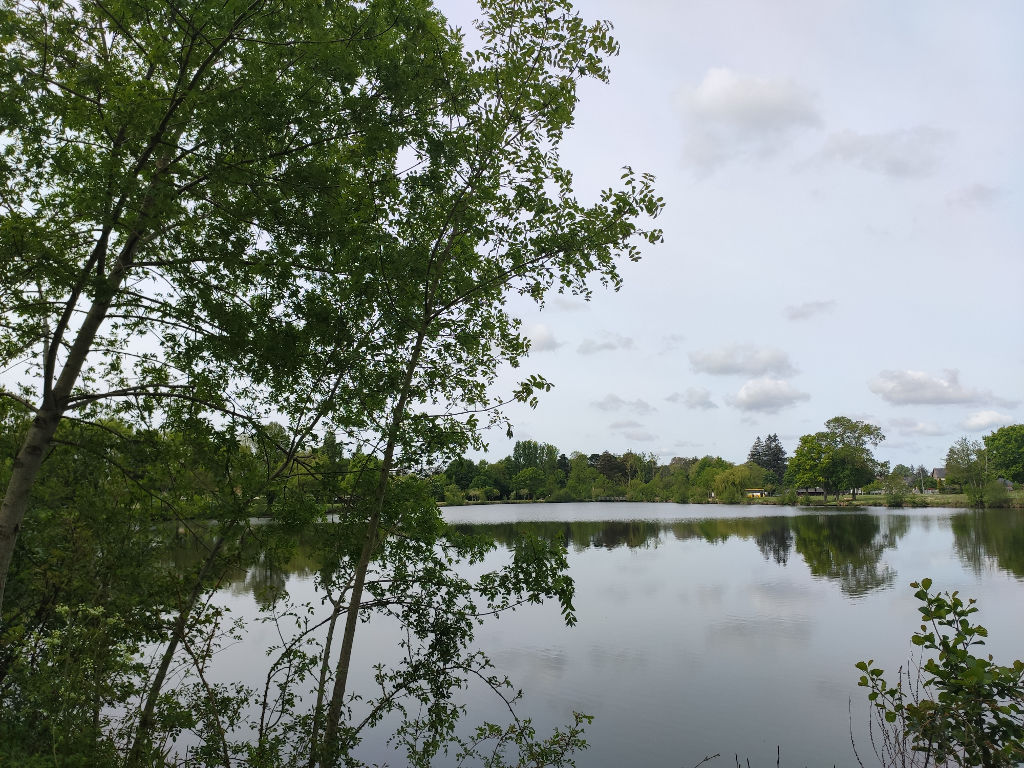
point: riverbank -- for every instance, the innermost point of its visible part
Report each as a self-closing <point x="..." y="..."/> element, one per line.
<point x="1016" y="501"/>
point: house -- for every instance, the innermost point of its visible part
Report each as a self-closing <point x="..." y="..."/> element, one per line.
<point x="819" y="491"/>
<point x="939" y="473"/>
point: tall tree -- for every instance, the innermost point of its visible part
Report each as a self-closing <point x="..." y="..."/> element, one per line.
<point x="1005" y="448"/>
<point x="162" y="166"/>
<point x="838" y="459"/>
<point x="756" y="453"/>
<point x="967" y="466"/>
<point x="770" y="455"/>
<point x="775" y="457"/>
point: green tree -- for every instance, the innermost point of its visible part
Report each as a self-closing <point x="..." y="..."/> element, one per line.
<point x="192" y="148"/>
<point x="731" y="484"/>
<point x="770" y="455"/>
<point x="852" y="464"/>
<point x="529" y="482"/>
<point x="807" y="467"/>
<point x="162" y="165"/>
<point x="838" y="459"/>
<point x="967" y="467"/>
<point x="756" y="453"/>
<point x="1005" y="449"/>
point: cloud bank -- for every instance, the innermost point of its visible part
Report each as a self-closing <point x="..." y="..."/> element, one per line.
<point x="808" y="309"/>
<point x="612" y="402"/>
<point x="743" y="360"/>
<point x="609" y="342"/>
<point x="542" y="339"/>
<point x="767" y="395"/>
<point x="904" y="154"/>
<point x="732" y="115"/>
<point x="982" y="421"/>
<point x="693" y="398"/>
<point x="920" y="388"/>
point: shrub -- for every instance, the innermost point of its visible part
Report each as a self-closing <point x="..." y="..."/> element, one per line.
<point x="959" y="709"/>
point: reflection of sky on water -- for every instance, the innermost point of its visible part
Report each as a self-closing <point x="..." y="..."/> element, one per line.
<point x="710" y="643"/>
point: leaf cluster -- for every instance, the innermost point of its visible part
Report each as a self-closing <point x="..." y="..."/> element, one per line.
<point x="962" y="709"/>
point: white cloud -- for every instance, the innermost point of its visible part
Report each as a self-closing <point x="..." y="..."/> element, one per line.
<point x="609" y="342"/>
<point x="981" y="421"/>
<point x="613" y="402"/>
<point x="541" y="338"/>
<point x="639" y="435"/>
<point x="731" y="115"/>
<point x="915" y="427"/>
<point x="627" y="424"/>
<point x="695" y="398"/>
<point x="741" y="359"/>
<point x="899" y="154"/>
<point x="808" y="309"/>
<point x="671" y="342"/>
<point x="767" y="395"/>
<point x="975" y="196"/>
<point x="569" y="304"/>
<point x="920" y="388"/>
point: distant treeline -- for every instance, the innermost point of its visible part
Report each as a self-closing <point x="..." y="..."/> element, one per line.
<point x="837" y="460"/>
<point x="539" y="471"/>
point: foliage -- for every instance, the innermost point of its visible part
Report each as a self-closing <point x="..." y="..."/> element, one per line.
<point x="770" y="455"/>
<point x="961" y="709"/>
<point x="1005" y="447"/>
<point x="838" y="459"/>
<point x="190" y="190"/>
<point x="967" y="467"/>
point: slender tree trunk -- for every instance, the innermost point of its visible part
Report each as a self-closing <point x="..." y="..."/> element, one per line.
<point x="321" y="690"/>
<point x="329" y="751"/>
<point x="147" y="716"/>
<point x="48" y="417"/>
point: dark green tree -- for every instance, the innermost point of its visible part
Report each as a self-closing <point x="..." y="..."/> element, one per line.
<point x="162" y="168"/>
<point x="774" y="457"/>
<point x="1005" y="449"/>
<point x="756" y="453"/>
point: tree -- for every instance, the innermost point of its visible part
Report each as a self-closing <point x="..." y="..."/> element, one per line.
<point x="967" y="466"/>
<point x="730" y="484"/>
<point x="838" y="459"/>
<point x="756" y="453"/>
<point x="151" y="147"/>
<point x="770" y="455"/>
<point x="433" y="178"/>
<point x="807" y="468"/>
<point x="529" y="481"/>
<point x="1005" y="449"/>
<point x="162" y="166"/>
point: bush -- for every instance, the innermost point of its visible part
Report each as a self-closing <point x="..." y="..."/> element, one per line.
<point x="959" y="709"/>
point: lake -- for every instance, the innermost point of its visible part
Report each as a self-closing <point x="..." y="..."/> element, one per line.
<point x="718" y="629"/>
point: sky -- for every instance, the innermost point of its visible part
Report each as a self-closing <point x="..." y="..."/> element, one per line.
<point x="844" y="230"/>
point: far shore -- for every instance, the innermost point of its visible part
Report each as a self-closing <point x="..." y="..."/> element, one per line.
<point x="1016" y="501"/>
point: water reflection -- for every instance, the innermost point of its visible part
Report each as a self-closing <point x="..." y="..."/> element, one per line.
<point x="845" y="548"/>
<point x="986" y="537"/>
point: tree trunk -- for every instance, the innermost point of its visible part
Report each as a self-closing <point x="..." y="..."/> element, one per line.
<point x="48" y="416"/>
<point x="146" y="717"/>
<point x="329" y="751"/>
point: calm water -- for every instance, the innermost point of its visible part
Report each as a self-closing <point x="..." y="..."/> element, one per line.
<point x="712" y="629"/>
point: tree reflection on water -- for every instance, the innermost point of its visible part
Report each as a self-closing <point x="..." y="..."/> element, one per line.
<point x="845" y="548"/>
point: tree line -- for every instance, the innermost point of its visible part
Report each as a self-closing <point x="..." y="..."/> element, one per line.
<point x="837" y="460"/>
